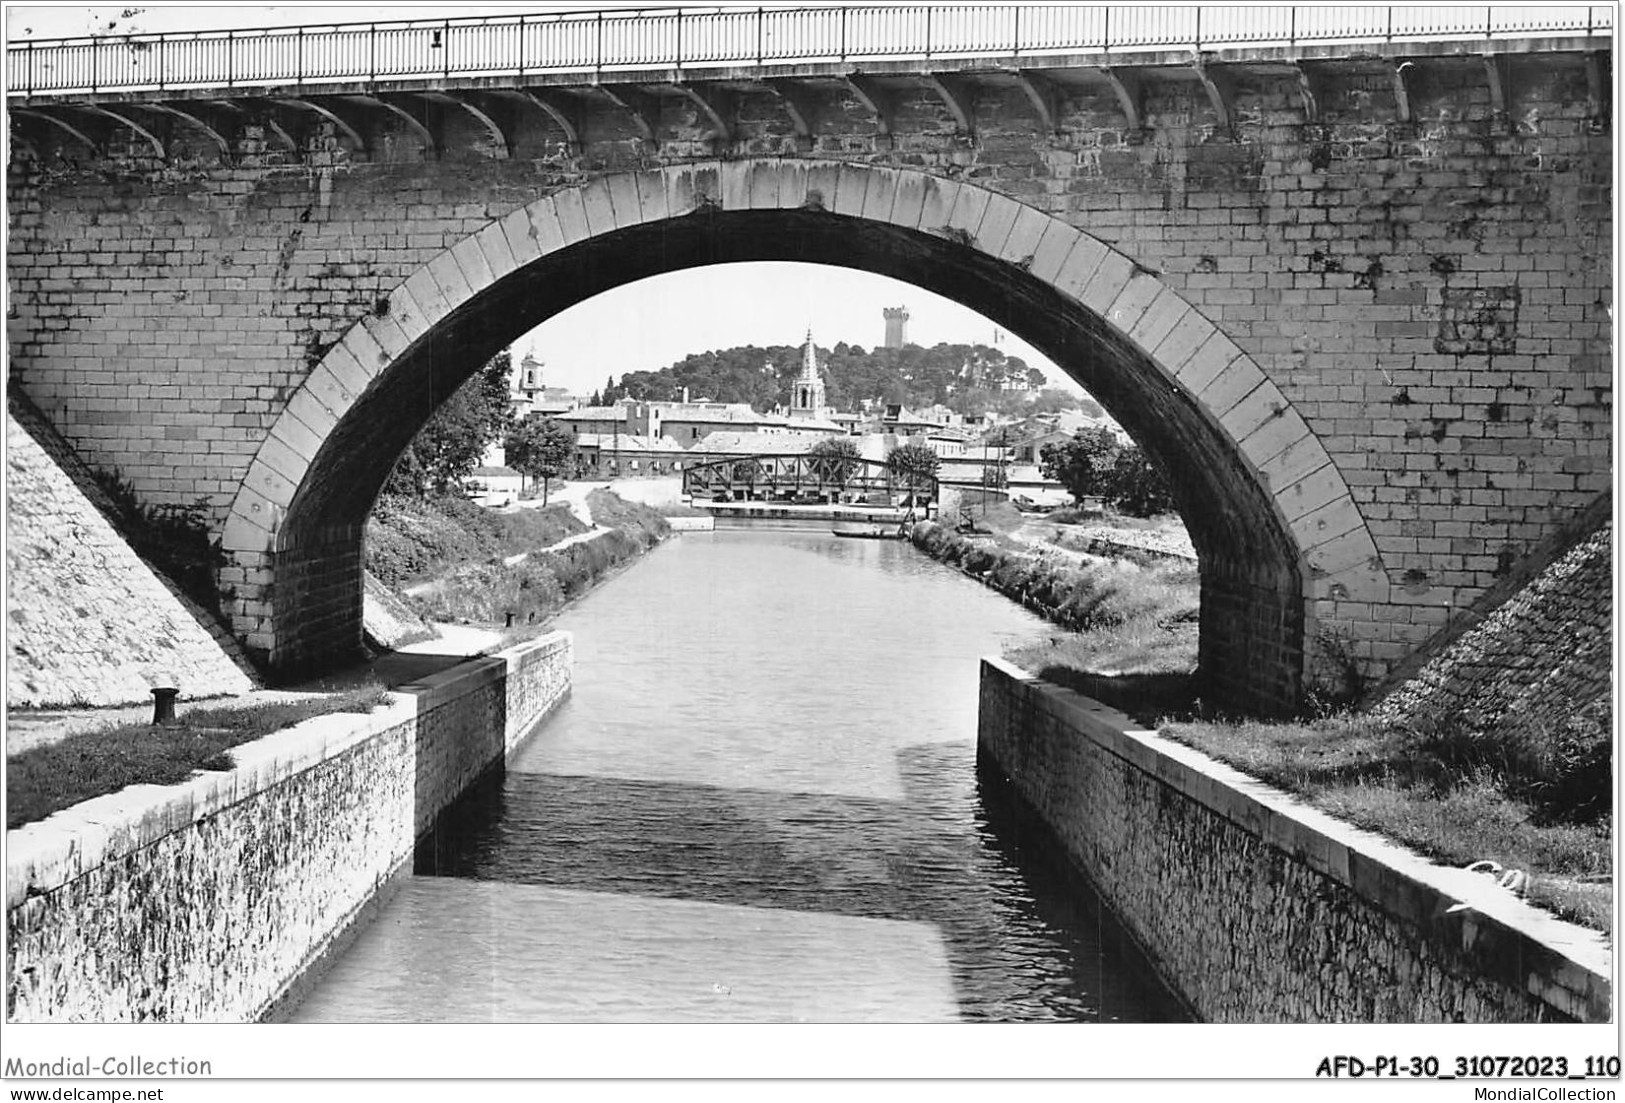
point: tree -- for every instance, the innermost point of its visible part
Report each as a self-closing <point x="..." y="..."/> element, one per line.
<point x="1083" y="464"/>
<point x="1097" y="463"/>
<point x="540" y="450"/>
<point x="450" y="444"/>
<point x="1052" y="400"/>
<point x="762" y="377"/>
<point x="915" y="464"/>
<point x="747" y="471"/>
<point x="1137" y="486"/>
<point x="834" y="459"/>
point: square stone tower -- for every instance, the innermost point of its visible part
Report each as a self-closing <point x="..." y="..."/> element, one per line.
<point x="896" y="326"/>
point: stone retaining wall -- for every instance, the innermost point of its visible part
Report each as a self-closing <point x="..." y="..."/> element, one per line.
<point x="206" y="901"/>
<point x="1258" y="909"/>
<point x="1541" y="661"/>
<point x="692" y="524"/>
<point x="88" y="621"/>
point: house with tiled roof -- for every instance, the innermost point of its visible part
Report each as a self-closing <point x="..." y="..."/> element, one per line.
<point x="684" y="422"/>
<point x="723" y="445"/>
<point x="900" y="420"/>
<point x="611" y="454"/>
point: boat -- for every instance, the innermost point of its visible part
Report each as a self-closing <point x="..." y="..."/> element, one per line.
<point x="872" y="532"/>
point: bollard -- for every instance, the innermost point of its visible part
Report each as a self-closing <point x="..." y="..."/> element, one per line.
<point x="163" y="706"/>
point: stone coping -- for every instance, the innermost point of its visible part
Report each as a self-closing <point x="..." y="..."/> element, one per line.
<point x="853" y="512"/>
<point x="1567" y="966"/>
<point x="692" y="524"/>
<point x="43" y="856"/>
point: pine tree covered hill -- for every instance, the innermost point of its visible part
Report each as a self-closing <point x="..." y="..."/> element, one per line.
<point x="955" y="375"/>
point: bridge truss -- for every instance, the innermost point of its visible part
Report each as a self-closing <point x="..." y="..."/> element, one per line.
<point x="810" y="480"/>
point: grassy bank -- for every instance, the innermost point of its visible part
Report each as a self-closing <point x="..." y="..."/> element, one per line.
<point x="1539" y="802"/>
<point x="55" y="776"/>
<point x="1128" y="630"/>
<point x="413" y="539"/>
<point x="1533" y="800"/>
<point x="472" y="583"/>
<point x="1076" y="593"/>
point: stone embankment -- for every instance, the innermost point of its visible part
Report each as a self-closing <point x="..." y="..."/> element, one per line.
<point x="90" y="623"/>
<point x="1257" y="908"/>
<point x="1541" y="660"/>
<point x="215" y="899"/>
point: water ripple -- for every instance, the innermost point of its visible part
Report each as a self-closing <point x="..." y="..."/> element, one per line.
<point x="760" y="804"/>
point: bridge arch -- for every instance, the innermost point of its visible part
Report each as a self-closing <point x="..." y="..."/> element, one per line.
<point x="1271" y="518"/>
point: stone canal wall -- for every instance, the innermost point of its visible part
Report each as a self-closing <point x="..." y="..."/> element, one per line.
<point x="210" y="901"/>
<point x="1258" y="909"/>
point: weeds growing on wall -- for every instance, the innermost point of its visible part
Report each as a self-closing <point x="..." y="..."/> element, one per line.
<point x="173" y="538"/>
<point x="1333" y="680"/>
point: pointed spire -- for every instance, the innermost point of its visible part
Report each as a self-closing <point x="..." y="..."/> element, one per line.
<point x="807" y="396"/>
<point x="809" y="360"/>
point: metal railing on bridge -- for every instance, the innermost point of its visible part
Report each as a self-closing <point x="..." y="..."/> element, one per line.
<point x="809" y="480"/>
<point x="594" y="43"/>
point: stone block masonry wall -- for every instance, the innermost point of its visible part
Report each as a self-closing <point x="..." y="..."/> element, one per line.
<point x="1420" y="281"/>
<point x="1259" y="909"/>
<point x="1237" y="615"/>
<point x="1431" y="296"/>
<point x="327" y="581"/>
<point x="88" y="622"/>
<point x="1542" y="661"/>
<point x="205" y="902"/>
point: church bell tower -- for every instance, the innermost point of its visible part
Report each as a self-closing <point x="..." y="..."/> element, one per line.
<point x="807" y="395"/>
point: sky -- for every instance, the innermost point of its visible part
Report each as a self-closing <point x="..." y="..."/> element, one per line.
<point x="700" y="310"/>
<point x="677" y="314"/>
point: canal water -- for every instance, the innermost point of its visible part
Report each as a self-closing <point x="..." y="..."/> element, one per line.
<point x="760" y="803"/>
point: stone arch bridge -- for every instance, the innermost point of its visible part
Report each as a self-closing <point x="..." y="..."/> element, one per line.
<point x="1352" y="293"/>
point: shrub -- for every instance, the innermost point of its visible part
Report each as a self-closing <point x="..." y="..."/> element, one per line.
<point x="1332" y="680"/>
<point x="488" y="592"/>
<point x="1073" y="515"/>
<point x="979" y="559"/>
<point x="409" y="538"/>
<point x="638" y="521"/>
<point x="1014" y="575"/>
<point x="415" y="537"/>
<point x="174" y="538"/>
<point x="529" y="529"/>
